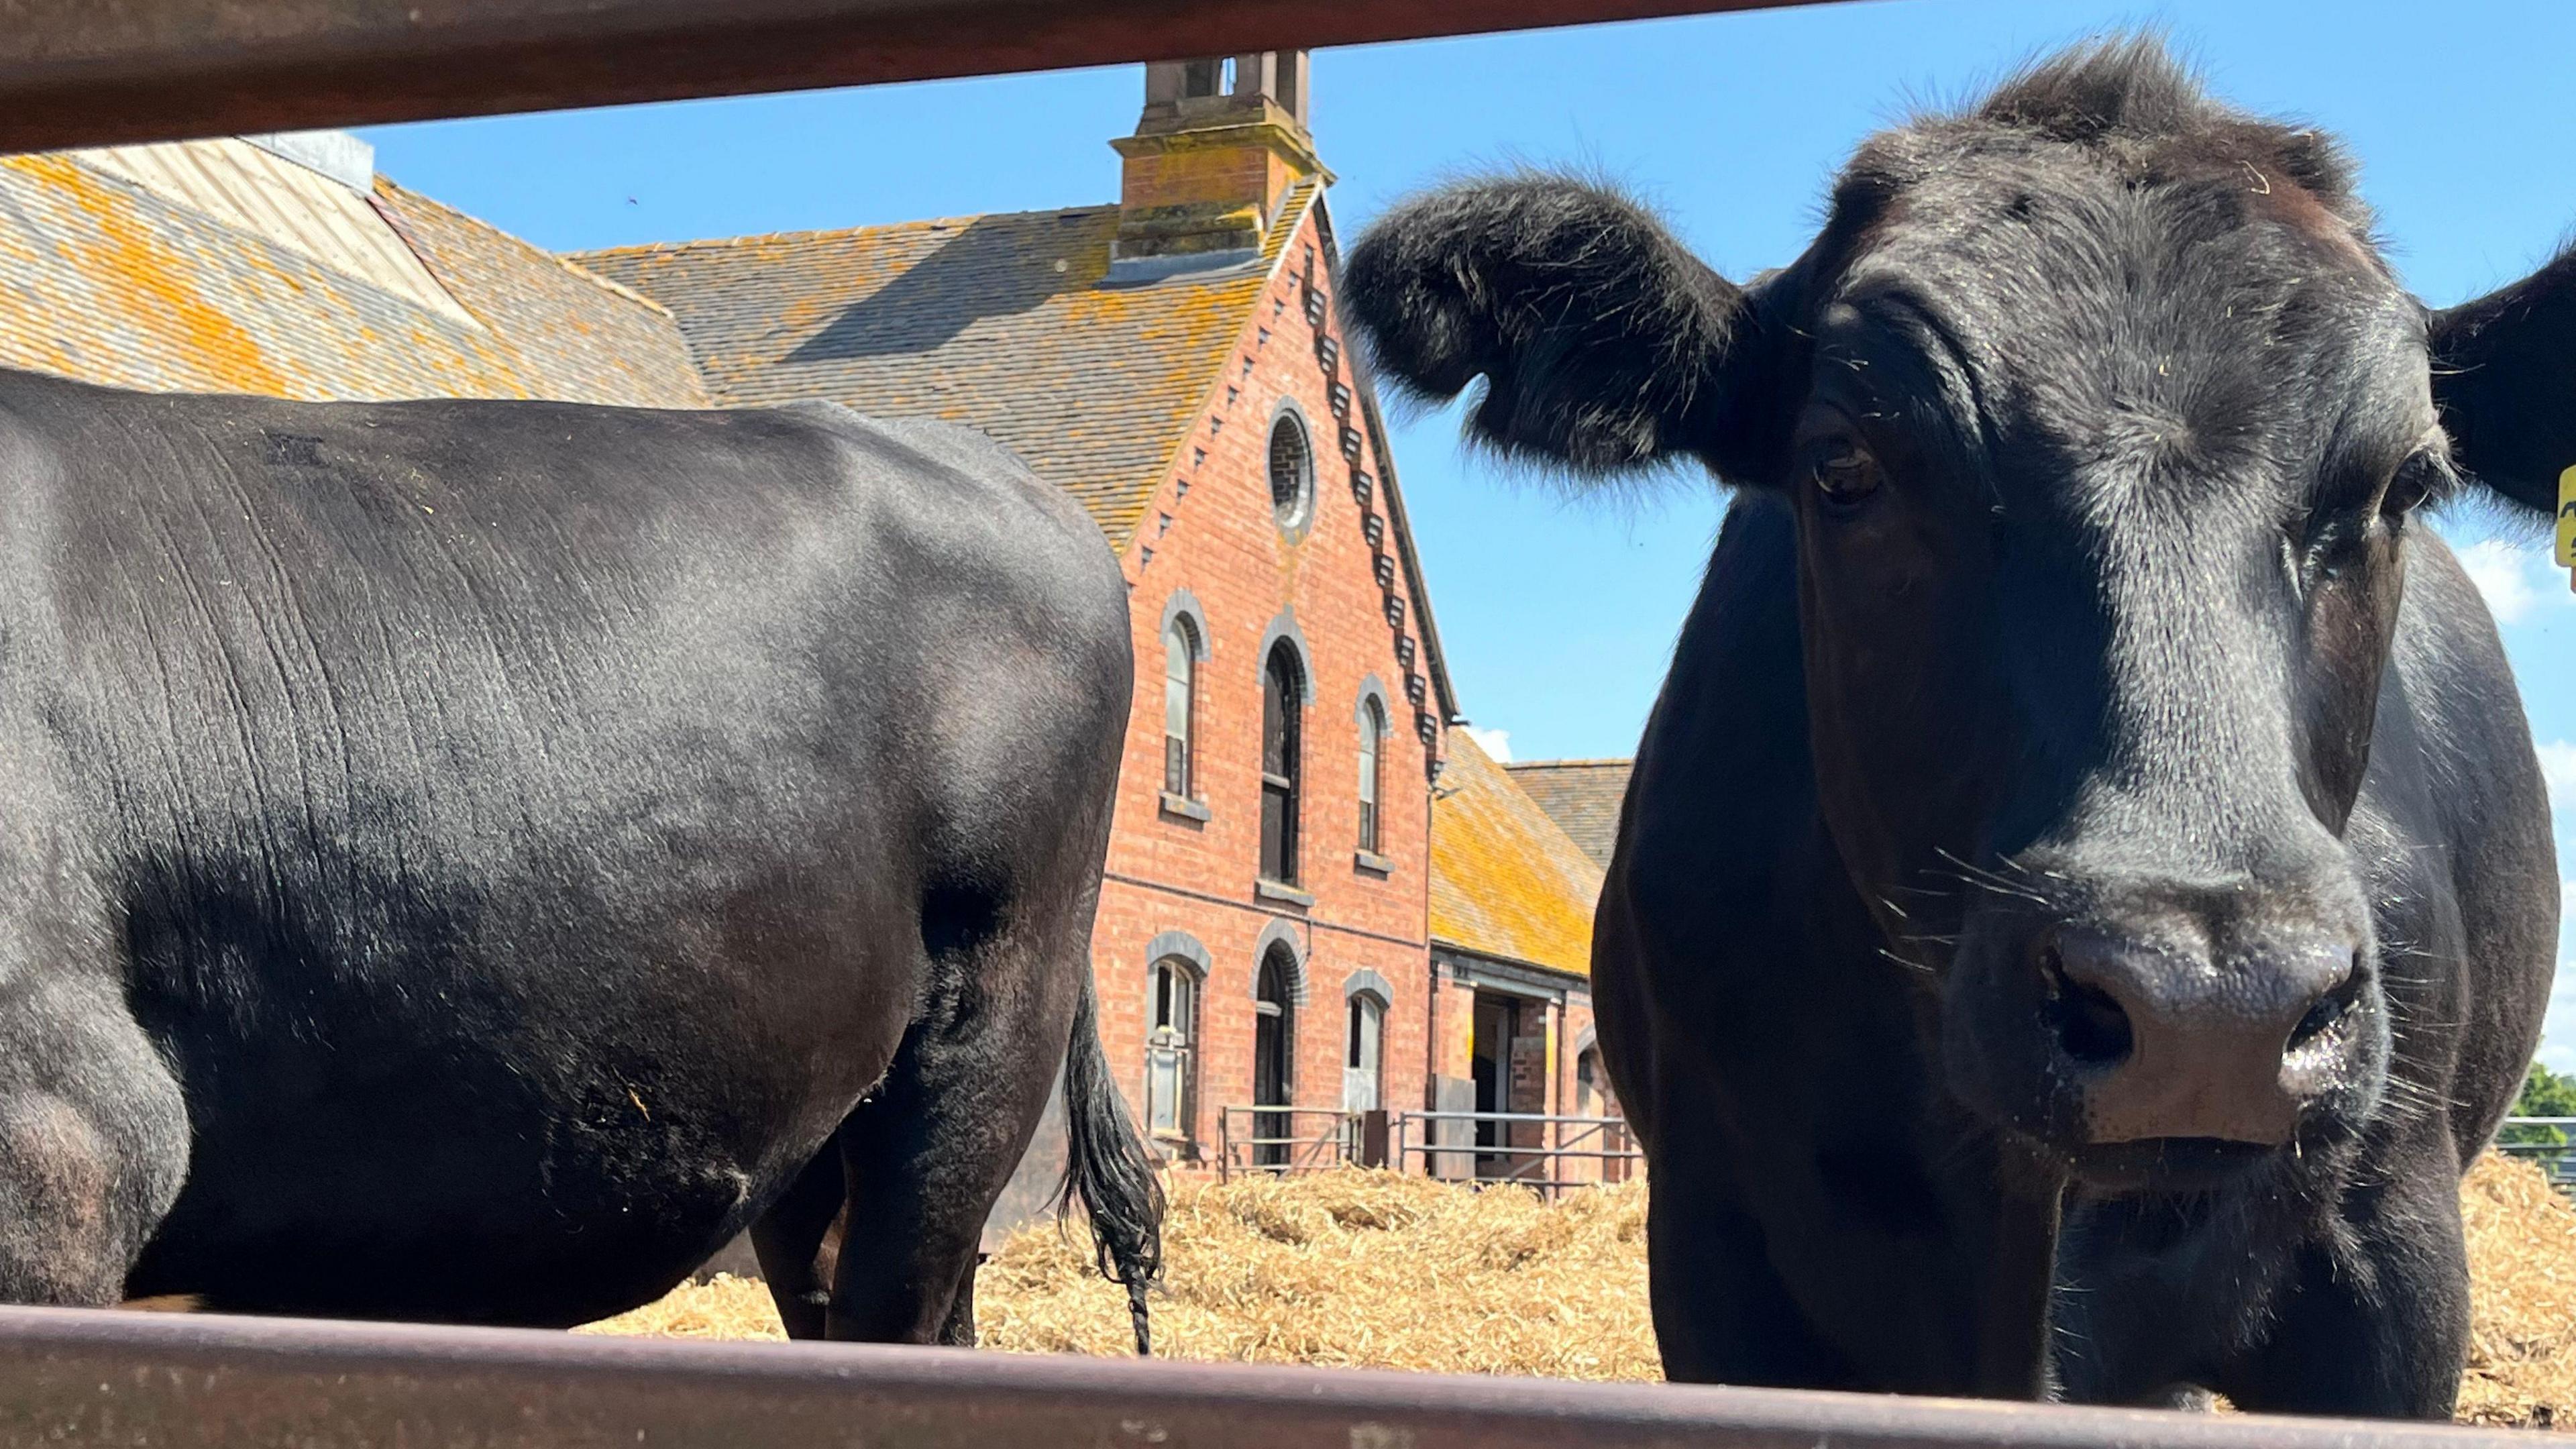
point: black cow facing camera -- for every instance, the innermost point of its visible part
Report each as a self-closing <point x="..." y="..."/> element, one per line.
<point x="2080" y="741"/>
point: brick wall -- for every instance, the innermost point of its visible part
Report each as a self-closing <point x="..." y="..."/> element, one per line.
<point x="1211" y="531"/>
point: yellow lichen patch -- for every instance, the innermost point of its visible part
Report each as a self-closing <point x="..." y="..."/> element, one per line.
<point x="1506" y="880"/>
<point x="149" y="284"/>
<point x="1007" y="323"/>
<point x="150" y="280"/>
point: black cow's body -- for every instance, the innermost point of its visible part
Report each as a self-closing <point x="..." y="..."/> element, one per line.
<point x="1834" y="1220"/>
<point x="467" y="860"/>
<point x="2086" y="890"/>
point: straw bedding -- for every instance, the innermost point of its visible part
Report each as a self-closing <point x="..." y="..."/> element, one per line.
<point x="1372" y="1269"/>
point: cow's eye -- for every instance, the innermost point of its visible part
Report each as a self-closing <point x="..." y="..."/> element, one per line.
<point x="1845" y="473"/>
<point x="2412" y="483"/>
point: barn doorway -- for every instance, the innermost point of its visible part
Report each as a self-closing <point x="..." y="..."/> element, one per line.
<point x="1509" y="1066"/>
<point x="1274" y="1057"/>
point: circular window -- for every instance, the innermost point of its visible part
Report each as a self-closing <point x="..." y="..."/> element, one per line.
<point x="1292" y="471"/>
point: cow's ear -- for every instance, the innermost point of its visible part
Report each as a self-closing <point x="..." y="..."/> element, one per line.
<point x="1604" y="345"/>
<point x="2504" y="377"/>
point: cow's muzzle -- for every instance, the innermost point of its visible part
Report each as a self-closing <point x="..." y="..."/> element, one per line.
<point x="2167" y="1045"/>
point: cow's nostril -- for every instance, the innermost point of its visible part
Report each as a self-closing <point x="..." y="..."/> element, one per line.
<point x="2091" y="1028"/>
<point x="2328" y="1010"/>
<point x="2319" y="1019"/>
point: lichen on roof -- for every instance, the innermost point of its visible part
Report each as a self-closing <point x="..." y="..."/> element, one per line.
<point x="113" y="282"/>
<point x="1007" y="323"/>
<point x="1506" y="882"/>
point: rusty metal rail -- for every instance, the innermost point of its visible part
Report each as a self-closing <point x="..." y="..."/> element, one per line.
<point x="178" y="1381"/>
<point x="89" y="72"/>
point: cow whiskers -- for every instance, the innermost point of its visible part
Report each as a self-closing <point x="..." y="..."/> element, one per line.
<point x="1910" y="965"/>
<point x="1977" y="875"/>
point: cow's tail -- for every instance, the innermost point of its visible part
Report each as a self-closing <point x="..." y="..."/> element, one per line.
<point x="1107" y="1167"/>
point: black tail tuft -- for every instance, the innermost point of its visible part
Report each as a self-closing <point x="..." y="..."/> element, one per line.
<point x="1107" y="1167"/>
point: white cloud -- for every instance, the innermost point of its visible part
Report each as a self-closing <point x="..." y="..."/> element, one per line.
<point x="1498" y="745"/>
<point x="2558" y="767"/>
<point x="2502" y="572"/>
<point x="2558" y="1036"/>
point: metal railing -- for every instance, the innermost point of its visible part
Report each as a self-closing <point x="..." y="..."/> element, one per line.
<point x="2549" y="1142"/>
<point x="1545" y="1152"/>
<point x="197" y="1381"/>
<point x="86" y="73"/>
<point x="1536" y="1150"/>
<point x="1290" y="1139"/>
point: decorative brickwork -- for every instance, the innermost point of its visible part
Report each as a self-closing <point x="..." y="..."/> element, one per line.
<point x="1252" y="582"/>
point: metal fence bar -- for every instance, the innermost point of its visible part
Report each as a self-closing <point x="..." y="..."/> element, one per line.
<point x="181" y="1382"/>
<point x="1533" y="1165"/>
<point x="90" y="72"/>
<point x="2557" y="1157"/>
<point x="1508" y="1117"/>
<point x="1335" y="1146"/>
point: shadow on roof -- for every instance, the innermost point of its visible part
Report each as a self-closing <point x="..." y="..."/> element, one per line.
<point x="996" y="266"/>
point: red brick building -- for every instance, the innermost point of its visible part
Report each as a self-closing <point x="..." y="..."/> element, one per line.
<point x="1176" y="361"/>
<point x="1510" y="982"/>
<point x="1278" y="927"/>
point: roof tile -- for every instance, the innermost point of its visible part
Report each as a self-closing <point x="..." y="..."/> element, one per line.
<point x="1582" y="796"/>
<point x="113" y="282"/>
<point x="1007" y="323"/>
<point x="1505" y="881"/>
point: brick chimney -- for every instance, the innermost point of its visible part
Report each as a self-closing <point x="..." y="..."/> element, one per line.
<point x="1220" y="143"/>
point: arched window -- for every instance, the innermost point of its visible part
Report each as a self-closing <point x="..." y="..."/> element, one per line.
<point x="1171" y="1051"/>
<point x="1180" y="707"/>
<point x="1274" y="1055"/>
<point x="1292" y="471"/>
<point x="1365" y="1054"/>
<point x="1282" y="688"/>
<point x="1372" y="746"/>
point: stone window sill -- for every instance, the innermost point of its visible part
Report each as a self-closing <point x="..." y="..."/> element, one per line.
<point x="1271" y="890"/>
<point x="1184" y="807"/>
<point x="1373" y="863"/>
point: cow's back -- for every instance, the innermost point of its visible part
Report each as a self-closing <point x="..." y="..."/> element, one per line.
<point x="515" y="810"/>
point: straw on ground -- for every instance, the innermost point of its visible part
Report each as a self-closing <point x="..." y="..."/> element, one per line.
<point x="1375" y="1270"/>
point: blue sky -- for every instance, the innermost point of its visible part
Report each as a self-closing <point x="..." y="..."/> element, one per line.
<point x="1558" y="617"/>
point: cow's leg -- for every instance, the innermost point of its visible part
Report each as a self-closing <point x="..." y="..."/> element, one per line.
<point x="789" y="1240"/>
<point x="93" y="1138"/>
<point x="959" y="1330"/>
<point x="926" y="1155"/>
<point x="2378" y="1327"/>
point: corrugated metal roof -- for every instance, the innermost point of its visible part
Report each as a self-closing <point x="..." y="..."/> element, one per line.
<point x="1008" y="323"/>
<point x="1506" y="882"/>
